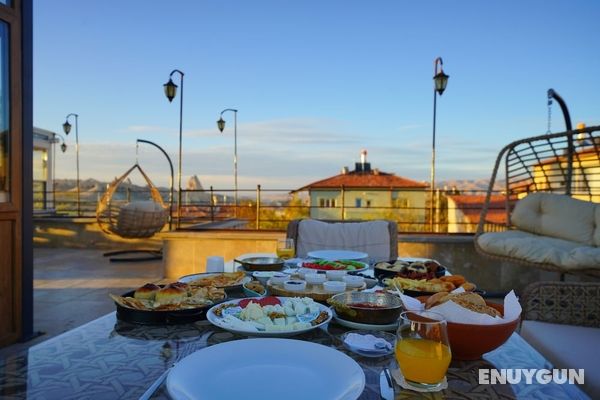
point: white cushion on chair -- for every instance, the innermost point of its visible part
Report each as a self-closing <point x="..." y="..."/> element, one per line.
<point x="558" y="216"/>
<point x="143" y="205"/>
<point x="371" y="237"/>
<point x="568" y="346"/>
<point x="540" y="249"/>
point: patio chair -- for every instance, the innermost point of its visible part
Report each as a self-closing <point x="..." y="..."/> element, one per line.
<point x="562" y="321"/>
<point x="551" y="219"/>
<point x="379" y="239"/>
<point x="138" y="219"/>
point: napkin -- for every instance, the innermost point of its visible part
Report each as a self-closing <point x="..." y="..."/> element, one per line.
<point x="452" y="312"/>
<point x="399" y="378"/>
<point x="367" y="342"/>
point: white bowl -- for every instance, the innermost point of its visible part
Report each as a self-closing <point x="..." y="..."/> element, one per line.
<point x="302" y="272"/>
<point x="315" y="279"/>
<point x="334" y="286"/>
<point x="294" y="285"/>
<point x="279" y="278"/>
<point x="353" y="281"/>
<point x="335" y="275"/>
<point x="263" y="276"/>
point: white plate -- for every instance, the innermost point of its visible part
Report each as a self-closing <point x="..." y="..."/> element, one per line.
<point x="193" y="277"/>
<point x="333" y="255"/>
<point x="218" y="321"/>
<point x="358" y="325"/>
<point x="266" y="369"/>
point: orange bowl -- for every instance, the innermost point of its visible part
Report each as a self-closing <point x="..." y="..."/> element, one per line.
<point x="470" y="342"/>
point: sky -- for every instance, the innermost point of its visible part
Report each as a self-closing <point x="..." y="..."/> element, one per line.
<point x="314" y="81"/>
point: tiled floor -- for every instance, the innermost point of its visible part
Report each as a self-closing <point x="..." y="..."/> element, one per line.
<point x="71" y="287"/>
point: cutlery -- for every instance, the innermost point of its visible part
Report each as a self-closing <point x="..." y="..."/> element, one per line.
<point x="156" y="384"/>
<point x="386" y="385"/>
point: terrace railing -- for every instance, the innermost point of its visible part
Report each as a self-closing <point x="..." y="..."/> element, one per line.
<point x="272" y="209"/>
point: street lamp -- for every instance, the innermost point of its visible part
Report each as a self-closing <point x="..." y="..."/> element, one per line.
<point x="440" y="80"/>
<point x="221" y="126"/>
<point x="67" y="129"/>
<point x="171" y="91"/>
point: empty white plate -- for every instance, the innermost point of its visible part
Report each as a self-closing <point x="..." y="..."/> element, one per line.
<point x="266" y="369"/>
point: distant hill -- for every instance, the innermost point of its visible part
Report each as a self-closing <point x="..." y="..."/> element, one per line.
<point x="466" y="185"/>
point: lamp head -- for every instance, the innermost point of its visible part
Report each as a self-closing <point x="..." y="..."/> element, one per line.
<point x="221" y="124"/>
<point x="63" y="147"/>
<point x="67" y="127"/>
<point x="170" y="89"/>
<point x="441" y="80"/>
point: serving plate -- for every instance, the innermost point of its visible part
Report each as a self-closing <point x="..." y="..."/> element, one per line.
<point x="266" y="369"/>
<point x="333" y="255"/>
<point x="365" y="266"/>
<point x="218" y="321"/>
<point x="193" y="277"/>
<point x="162" y="317"/>
<point x="357" y="325"/>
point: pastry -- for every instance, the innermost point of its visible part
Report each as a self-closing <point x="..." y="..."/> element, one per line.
<point x="146" y="292"/>
<point x="170" y="295"/>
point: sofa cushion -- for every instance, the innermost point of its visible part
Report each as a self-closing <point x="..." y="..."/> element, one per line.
<point x="567" y="346"/>
<point x="540" y="249"/>
<point x="371" y="237"/>
<point x="556" y="215"/>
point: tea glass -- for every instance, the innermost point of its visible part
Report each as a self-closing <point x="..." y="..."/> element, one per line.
<point x="422" y="349"/>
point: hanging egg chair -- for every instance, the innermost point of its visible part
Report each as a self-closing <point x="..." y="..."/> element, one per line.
<point x="131" y="219"/>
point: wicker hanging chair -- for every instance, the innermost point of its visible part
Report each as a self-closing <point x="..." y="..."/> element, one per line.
<point x="135" y="219"/>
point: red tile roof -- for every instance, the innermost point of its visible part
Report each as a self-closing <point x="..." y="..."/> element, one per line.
<point x="371" y="180"/>
<point x="471" y="206"/>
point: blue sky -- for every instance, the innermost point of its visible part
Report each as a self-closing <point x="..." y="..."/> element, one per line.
<point x="314" y="81"/>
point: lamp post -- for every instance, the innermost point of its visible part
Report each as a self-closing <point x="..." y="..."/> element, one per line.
<point x="63" y="148"/>
<point x="221" y="126"/>
<point x="440" y="80"/>
<point x="67" y="129"/>
<point x="171" y="92"/>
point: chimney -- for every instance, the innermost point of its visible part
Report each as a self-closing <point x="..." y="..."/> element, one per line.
<point x="376" y="171"/>
<point x="363" y="157"/>
<point x="345" y="170"/>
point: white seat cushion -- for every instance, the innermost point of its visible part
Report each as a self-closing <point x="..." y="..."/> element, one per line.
<point x="372" y="237"/>
<point x="556" y="215"/>
<point x="143" y="205"/>
<point x="567" y="346"/>
<point x="540" y="249"/>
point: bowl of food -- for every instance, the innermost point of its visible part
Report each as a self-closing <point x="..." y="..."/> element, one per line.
<point x="426" y="269"/>
<point x="367" y="308"/>
<point x="263" y="276"/>
<point x="315" y="279"/>
<point x="261" y="263"/>
<point x="471" y="341"/>
<point x="254" y="289"/>
<point x="334" y="286"/>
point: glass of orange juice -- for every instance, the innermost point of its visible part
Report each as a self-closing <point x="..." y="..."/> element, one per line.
<point x="285" y="248"/>
<point x="422" y="349"/>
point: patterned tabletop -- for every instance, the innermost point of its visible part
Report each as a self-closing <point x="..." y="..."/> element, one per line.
<point x="112" y="359"/>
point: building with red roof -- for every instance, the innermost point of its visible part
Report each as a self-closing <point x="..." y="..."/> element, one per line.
<point x="464" y="212"/>
<point x="367" y="193"/>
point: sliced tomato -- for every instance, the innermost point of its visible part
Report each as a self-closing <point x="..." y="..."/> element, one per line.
<point x="265" y="301"/>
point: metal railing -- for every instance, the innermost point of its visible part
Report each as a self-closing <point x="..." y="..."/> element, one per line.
<point x="272" y="209"/>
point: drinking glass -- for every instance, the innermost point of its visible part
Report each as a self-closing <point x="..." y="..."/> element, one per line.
<point x="423" y="349"/>
<point x="285" y="248"/>
<point x="215" y="264"/>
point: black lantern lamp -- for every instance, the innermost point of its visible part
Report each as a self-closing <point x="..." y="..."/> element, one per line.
<point x="221" y="124"/>
<point x="67" y="127"/>
<point x="441" y="80"/>
<point x="63" y="147"/>
<point x="170" y="89"/>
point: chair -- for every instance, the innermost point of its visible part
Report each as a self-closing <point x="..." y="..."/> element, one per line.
<point x="132" y="219"/>
<point x="551" y="219"/>
<point x="562" y="321"/>
<point x="379" y="239"/>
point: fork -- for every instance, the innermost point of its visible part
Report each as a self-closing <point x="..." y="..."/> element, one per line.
<point x="202" y="342"/>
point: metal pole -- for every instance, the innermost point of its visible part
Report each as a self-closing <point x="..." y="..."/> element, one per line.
<point x="171" y="182"/>
<point x="257" y="207"/>
<point x="431" y="189"/>
<point x="77" y="157"/>
<point x="235" y="168"/>
<point x="180" y="145"/>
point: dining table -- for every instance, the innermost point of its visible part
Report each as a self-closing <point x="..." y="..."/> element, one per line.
<point x="108" y="358"/>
